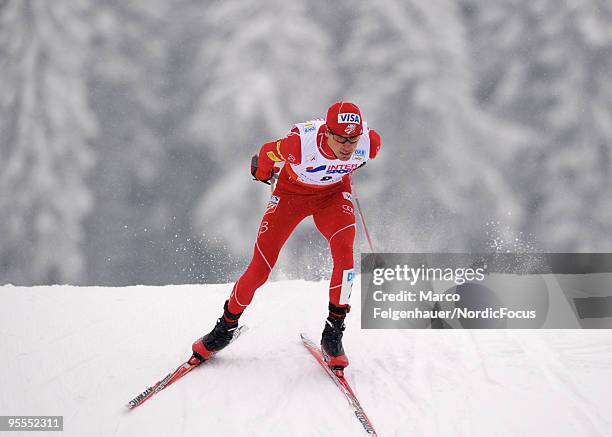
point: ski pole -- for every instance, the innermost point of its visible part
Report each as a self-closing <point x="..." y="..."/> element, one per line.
<point x="363" y="222"/>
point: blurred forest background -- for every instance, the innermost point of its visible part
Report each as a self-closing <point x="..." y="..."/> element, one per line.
<point x="126" y="129"/>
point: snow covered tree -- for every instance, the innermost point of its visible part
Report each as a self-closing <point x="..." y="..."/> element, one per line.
<point x="46" y="128"/>
<point x="547" y="65"/>
<point x="138" y="230"/>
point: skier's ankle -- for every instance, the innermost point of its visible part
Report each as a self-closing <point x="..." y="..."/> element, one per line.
<point x="338" y="312"/>
<point x="228" y="316"/>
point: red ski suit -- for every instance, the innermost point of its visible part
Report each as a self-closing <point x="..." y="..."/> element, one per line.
<point x="292" y="200"/>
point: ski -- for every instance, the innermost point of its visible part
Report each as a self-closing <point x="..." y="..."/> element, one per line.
<point x="172" y="377"/>
<point x="338" y="377"/>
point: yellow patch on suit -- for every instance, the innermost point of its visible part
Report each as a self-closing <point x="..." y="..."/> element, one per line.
<point x="273" y="157"/>
<point x="278" y="143"/>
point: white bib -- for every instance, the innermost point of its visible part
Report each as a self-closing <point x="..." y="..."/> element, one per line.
<point x="315" y="168"/>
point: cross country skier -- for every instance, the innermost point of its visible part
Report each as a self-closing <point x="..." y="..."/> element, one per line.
<point x="315" y="180"/>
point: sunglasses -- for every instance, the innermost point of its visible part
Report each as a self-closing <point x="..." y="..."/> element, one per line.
<point x="342" y="140"/>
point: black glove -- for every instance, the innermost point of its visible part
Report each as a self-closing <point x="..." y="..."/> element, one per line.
<point x="254" y="161"/>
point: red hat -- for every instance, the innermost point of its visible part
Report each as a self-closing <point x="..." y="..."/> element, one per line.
<point x="344" y="119"/>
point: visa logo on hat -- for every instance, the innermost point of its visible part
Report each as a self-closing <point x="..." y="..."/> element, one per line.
<point x="349" y="117"/>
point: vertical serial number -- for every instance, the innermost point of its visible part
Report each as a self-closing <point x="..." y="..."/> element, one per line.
<point x="31" y="423"/>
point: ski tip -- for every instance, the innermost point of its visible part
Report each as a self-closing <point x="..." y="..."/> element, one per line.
<point x="305" y="338"/>
<point x="195" y="360"/>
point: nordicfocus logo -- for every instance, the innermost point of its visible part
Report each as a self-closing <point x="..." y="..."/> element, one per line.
<point x="349" y="117"/>
<point x="333" y="169"/>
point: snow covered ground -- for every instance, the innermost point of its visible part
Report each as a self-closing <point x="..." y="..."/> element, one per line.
<point x="84" y="352"/>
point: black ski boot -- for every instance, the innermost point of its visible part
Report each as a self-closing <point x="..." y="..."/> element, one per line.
<point x="331" y="340"/>
<point x="220" y="336"/>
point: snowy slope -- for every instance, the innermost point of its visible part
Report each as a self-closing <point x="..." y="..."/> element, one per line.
<point x="84" y="352"/>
